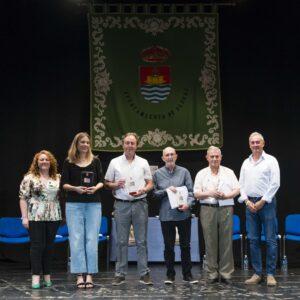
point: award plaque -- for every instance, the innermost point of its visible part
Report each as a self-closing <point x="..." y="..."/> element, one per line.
<point x="131" y="187"/>
<point x="87" y="178"/>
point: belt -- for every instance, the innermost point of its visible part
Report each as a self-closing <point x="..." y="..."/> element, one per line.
<point x="211" y="205"/>
<point x="130" y="201"/>
<point x="254" y="198"/>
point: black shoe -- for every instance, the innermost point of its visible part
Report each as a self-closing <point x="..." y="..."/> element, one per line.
<point x="118" y="280"/>
<point x="146" y="279"/>
<point x="189" y="278"/>
<point x="226" y="280"/>
<point x="170" y="280"/>
<point x="212" y="280"/>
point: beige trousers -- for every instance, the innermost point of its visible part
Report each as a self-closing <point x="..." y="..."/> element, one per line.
<point x="217" y="230"/>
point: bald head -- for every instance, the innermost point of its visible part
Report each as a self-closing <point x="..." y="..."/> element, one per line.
<point x="169" y="156"/>
<point x="168" y="149"/>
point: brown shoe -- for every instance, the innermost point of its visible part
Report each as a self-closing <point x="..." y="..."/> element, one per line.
<point x="255" y="279"/>
<point x="146" y="279"/>
<point x="118" y="280"/>
<point x="271" y="281"/>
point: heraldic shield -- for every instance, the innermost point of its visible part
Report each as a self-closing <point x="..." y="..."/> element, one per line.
<point x="155" y="83"/>
<point x="155" y="80"/>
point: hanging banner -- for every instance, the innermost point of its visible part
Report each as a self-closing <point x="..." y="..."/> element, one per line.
<point x="158" y="76"/>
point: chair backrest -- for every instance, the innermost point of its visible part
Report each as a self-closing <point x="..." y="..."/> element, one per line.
<point x="12" y="227"/>
<point x="236" y="225"/>
<point x="292" y="224"/>
<point x="63" y="230"/>
<point x="104" y="226"/>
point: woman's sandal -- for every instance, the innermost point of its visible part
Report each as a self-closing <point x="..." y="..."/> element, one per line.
<point x="35" y="284"/>
<point x="80" y="285"/>
<point x="89" y="281"/>
<point x="89" y="285"/>
<point x="47" y="283"/>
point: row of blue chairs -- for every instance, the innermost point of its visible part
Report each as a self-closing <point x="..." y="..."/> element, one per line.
<point x="291" y="233"/>
<point x="13" y="232"/>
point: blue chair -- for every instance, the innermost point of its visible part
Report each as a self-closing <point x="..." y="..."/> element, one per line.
<point x="237" y="234"/>
<point x="104" y="237"/>
<point x="12" y="231"/>
<point x="62" y="234"/>
<point x="292" y="229"/>
<point x="278" y="236"/>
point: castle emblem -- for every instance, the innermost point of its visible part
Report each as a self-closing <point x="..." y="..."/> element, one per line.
<point x="155" y="78"/>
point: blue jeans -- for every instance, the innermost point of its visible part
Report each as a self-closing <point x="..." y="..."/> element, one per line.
<point x="266" y="218"/>
<point x="83" y="220"/>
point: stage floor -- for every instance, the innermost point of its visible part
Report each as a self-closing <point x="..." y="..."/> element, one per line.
<point x="15" y="283"/>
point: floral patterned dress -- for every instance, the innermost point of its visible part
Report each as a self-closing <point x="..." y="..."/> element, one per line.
<point x="41" y="197"/>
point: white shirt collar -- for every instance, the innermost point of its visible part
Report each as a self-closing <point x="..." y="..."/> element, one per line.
<point x="125" y="159"/>
<point x="263" y="156"/>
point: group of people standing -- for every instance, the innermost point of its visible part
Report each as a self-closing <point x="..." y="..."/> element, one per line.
<point x="81" y="179"/>
<point x="129" y="177"/>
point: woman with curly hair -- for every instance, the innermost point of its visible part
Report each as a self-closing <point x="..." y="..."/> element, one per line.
<point x="41" y="213"/>
<point x="82" y="178"/>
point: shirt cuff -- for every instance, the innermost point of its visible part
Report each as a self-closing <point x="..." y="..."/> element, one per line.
<point x="268" y="200"/>
<point x="242" y="199"/>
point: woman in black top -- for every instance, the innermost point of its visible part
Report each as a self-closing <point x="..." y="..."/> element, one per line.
<point x="82" y="178"/>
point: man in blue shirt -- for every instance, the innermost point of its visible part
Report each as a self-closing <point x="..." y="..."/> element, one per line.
<point x="166" y="180"/>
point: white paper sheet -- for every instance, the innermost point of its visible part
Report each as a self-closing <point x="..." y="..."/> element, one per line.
<point x="178" y="198"/>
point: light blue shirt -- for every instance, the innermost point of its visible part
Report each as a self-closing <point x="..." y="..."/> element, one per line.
<point x="163" y="179"/>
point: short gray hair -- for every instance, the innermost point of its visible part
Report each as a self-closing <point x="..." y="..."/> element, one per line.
<point x="210" y="148"/>
<point x="255" y="133"/>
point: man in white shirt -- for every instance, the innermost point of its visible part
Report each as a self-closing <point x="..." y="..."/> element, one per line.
<point x="130" y="178"/>
<point x="215" y="187"/>
<point x="259" y="181"/>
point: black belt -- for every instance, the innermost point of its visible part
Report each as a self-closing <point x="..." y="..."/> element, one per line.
<point x="254" y="198"/>
<point x="130" y="201"/>
<point x="211" y="205"/>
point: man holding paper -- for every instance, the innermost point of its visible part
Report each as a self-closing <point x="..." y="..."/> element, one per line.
<point x="130" y="179"/>
<point x="215" y="187"/>
<point x="173" y="186"/>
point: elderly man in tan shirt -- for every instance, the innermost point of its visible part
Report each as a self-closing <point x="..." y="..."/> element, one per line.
<point x="215" y="187"/>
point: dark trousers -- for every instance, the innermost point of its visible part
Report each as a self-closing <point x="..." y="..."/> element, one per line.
<point x="169" y="234"/>
<point x="42" y="234"/>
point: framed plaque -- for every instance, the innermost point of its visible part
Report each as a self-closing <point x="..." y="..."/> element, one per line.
<point x="87" y="178"/>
